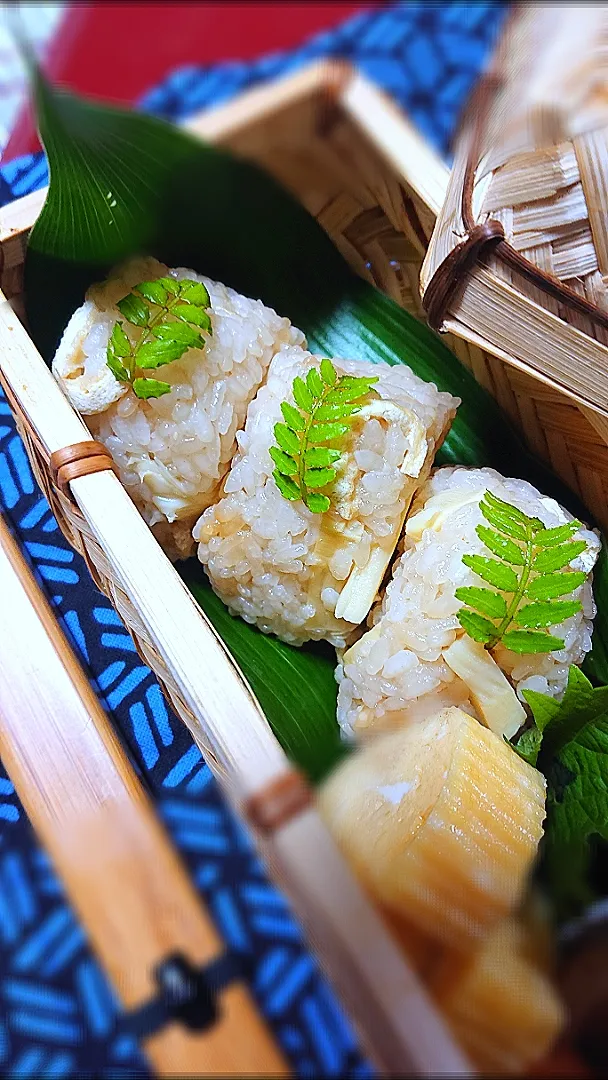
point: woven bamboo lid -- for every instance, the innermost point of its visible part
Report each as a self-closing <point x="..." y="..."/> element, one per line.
<point x="518" y="261"/>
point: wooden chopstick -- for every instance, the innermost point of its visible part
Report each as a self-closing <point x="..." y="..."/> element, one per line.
<point x="120" y="871"/>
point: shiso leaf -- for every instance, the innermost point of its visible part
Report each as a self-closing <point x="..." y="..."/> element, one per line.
<point x="124" y="183"/>
<point x="569" y="742"/>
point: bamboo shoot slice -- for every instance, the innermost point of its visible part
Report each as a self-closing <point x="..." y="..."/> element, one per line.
<point x="441" y="820"/>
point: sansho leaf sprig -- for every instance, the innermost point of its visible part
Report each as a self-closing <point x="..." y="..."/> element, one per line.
<point x="171" y="314"/>
<point x="527" y="577"/>
<point x="303" y="460"/>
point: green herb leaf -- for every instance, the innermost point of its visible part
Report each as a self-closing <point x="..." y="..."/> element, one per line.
<point x="116" y="368"/>
<point x="551" y="537"/>
<point x="531" y="641"/>
<point x="180" y="333"/>
<point x="318" y="457"/>
<point x="168" y="331"/>
<point x="287" y="439"/>
<point x="546" y="613"/>
<point x="484" y="600"/>
<point x="476" y="626"/>
<point x="154" y="291"/>
<point x="512" y="512"/>
<point x="322" y="433"/>
<point x="302" y="395"/>
<point x="150" y="388"/>
<point x="319" y="478"/>
<point x="190" y="313"/>
<point x="119" y="344"/>
<point x="284" y="462"/>
<point x="315" y="383"/>
<point x="548" y="586"/>
<point x="503" y="523"/>
<point x="554" y="558"/>
<point x="520" y="541"/>
<point x="305" y="436"/>
<point x="569" y="742"/>
<point x="288" y="488"/>
<point x="492" y="571"/>
<point x="194" y="292"/>
<point x="528" y="745"/>
<point x="499" y="545"/>
<point x="328" y="372"/>
<point x="292" y="417"/>
<point x="336" y="412"/>
<point x="158" y="352"/>
<point x="316" y="503"/>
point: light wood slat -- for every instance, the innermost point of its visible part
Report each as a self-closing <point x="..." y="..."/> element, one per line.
<point x="120" y="870"/>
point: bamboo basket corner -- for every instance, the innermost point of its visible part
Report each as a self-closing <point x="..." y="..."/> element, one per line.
<point x="334" y="140"/>
<point x="542" y="179"/>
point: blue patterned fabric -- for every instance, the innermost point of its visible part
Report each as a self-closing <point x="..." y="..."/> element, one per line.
<point x="57" y="1013"/>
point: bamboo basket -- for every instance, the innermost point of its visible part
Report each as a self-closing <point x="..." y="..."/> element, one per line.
<point x="352" y="159"/>
<point x="344" y="150"/>
<point x="518" y="262"/>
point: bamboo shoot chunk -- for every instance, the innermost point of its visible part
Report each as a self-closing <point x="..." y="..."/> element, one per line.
<point x="500" y="1005"/>
<point x="490" y="690"/>
<point x="441" y="820"/>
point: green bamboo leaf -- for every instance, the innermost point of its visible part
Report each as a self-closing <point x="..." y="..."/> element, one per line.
<point x="548" y="613"/>
<point x="302" y="395"/>
<point x="548" y="586"/>
<point x="322" y="433"/>
<point x="180" y="333"/>
<point x="318" y="504"/>
<point x="284" y="462"/>
<point x="154" y="291"/>
<point x="554" y="558"/>
<point x="314" y="382"/>
<point x="287" y="439"/>
<point x="288" y="488"/>
<point x="134" y="309"/>
<point x="501" y="522"/>
<point x="531" y="641"/>
<point x="295" y="686"/>
<point x="194" y="292"/>
<point x="150" y="388"/>
<point x="499" y="545"/>
<point x="190" y="313"/>
<point x="476" y="626"/>
<point x="328" y="372"/>
<point x="492" y="571"/>
<point x="319" y="478"/>
<point x="484" y="600"/>
<point x="292" y="417"/>
<point x="119" y="343"/>
<point x="551" y="537"/>
<point x="156" y="353"/>
<point x="318" y="457"/>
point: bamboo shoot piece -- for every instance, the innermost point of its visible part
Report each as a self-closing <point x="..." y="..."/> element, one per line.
<point x="441" y="820"/>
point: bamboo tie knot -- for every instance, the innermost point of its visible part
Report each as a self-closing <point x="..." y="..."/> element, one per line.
<point x="451" y="275"/>
<point x="79" y="459"/>
<point x="278" y="803"/>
